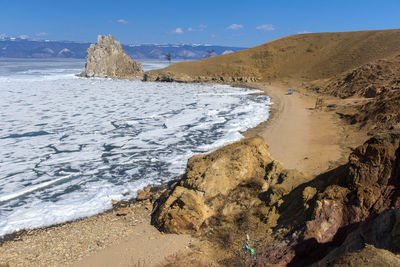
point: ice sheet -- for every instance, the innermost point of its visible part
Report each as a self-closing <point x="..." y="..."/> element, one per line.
<point x="71" y="145"/>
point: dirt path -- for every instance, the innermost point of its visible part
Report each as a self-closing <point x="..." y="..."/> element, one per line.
<point x="299" y="136"/>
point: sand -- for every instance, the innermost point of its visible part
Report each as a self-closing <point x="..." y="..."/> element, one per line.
<point x="102" y="240"/>
<point x="298" y="135"/>
<point x="145" y="246"/>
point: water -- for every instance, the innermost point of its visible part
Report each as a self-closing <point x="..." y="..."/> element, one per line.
<point x="70" y="145"/>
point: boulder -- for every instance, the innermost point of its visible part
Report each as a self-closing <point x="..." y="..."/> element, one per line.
<point x="143" y="195"/>
<point x="223" y="186"/>
<point x="107" y="59"/>
<point x="123" y="211"/>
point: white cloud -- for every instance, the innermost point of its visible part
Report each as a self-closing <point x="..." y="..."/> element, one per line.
<point x="201" y="28"/>
<point x="23" y="37"/>
<point x="303" y="32"/>
<point x="41" y="34"/>
<point x="178" y="31"/>
<point x="122" y="21"/>
<point x="266" y="27"/>
<point x="235" y="27"/>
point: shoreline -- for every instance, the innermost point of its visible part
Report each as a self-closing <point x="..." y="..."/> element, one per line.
<point x="11" y="243"/>
<point x="16" y="234"/>
<point x="99" y="247"/>
<point x="311" y="141"/>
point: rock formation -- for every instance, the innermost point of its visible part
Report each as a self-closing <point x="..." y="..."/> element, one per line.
<point x="377" y="84"/>
<point x="223" y="186"/>
<point x="107" y="59"/>
<point x="167" y="76"/>
<point x="375" y="235"/>
<point x="240" y="189"/>
<point x="347" y="201"/>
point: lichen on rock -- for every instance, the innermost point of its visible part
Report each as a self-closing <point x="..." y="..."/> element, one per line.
<point x="107" y="59"/>
<point x="223" y="186"/>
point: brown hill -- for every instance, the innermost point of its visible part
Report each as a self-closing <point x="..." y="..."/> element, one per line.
<point x="375" y="87"/>
<point x="369" y="80"/>
<point x="302" y="57"/>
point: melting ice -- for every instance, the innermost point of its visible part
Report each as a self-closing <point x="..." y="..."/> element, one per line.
<point x="70" y="145"/>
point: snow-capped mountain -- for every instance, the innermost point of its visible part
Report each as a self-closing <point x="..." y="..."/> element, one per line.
<point x="24" y="47"/>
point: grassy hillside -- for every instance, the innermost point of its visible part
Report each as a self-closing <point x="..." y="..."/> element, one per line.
<point x="374" y="86"/>
<point x="299" y="57"/>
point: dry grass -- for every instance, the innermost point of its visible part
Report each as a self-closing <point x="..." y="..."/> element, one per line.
<point x="299" y="57"/>
<point x="187" y="259"/>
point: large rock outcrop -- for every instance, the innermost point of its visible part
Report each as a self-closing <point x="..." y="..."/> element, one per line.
<point x="342" y="215"/>
<point x="225" y="186"/>
<point x="376" y="235"/>
<point x="295" y="221"/>
<point x="107" y="59"/>
<point x="168" y="76"/>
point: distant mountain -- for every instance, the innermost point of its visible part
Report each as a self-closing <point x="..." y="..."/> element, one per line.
<point x="21" y="47"/>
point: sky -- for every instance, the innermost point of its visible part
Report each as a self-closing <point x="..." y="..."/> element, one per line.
<point x="220" y="22"/>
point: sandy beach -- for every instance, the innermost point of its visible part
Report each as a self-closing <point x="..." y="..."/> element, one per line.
<point x="298" y="136"/>
<point x="301" y="137"/>
<point x="102" y="240"/>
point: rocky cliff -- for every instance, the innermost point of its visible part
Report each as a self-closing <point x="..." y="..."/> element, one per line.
<point x="346" y="200"/>
<point x="107" y="59"/>
<point x="294" y="220"/>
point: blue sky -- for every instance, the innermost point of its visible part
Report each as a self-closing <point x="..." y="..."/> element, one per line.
<point x="234" y="23"/>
